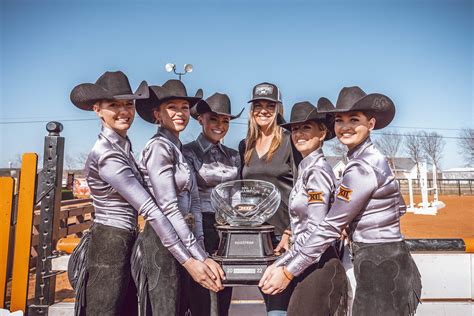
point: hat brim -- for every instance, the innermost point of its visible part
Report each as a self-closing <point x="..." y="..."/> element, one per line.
<point x="85" y="95"/>
<point x="202" y="107"/>
<point x="264" y="98"/>
<point x="146" y="107"/>
<point x="380" y="105"/>
<point x="326" y="120"/>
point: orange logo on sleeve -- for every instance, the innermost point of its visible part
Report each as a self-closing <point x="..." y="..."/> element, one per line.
<point x="344" y="193"/>
<point x="315" y="197"/>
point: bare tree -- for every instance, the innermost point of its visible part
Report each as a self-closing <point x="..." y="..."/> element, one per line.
<point x="69" y="162"/>
<point x="74" y="161"/>
<point x="15" y="162"/>
<point x="389" y="144"/>
<point x="414" y="147"/>
<point x="466" y="146"/>
<point x="338" y="149"/>
<point x="433" y="145"/>
<point x="80" y="160"/>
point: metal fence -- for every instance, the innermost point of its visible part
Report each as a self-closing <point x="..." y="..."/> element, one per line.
<point x="445" y="186"/>
<point x="18" y="221"/>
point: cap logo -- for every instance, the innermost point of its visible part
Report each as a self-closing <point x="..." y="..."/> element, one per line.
<point x="264" y="90"/>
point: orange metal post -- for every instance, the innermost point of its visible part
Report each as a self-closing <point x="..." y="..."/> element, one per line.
<point x="26" y="201"/>
<point x="469" y="243"/>
<point x="6" y="202"/>
<point x="67" y="244"/>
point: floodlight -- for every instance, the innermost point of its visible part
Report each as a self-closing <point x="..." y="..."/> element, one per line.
<point x="169" y="67"/>
<point x="188" y="68"/>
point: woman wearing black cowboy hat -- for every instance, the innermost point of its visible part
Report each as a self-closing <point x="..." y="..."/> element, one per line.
<point x="321" y="288"/>
<point x="99" y="268"/>
<point x="163" y="287"/>
<point x="267" y="154"/>
<point x="368" y="202"/>
<point x="213" y="163"/>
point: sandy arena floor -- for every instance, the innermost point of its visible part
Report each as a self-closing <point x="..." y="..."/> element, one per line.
<point x="456" y="220"/>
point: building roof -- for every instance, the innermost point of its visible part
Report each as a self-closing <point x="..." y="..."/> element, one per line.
<point x="467" y="169"/>
<point x="7" y="172"/>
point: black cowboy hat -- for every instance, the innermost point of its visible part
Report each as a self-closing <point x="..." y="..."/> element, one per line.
<point x="172" y="89"/>
<point x="266" y="91"/>
<point x="303" y="112"/>
<point x="217" y="103"/>
<point x="110" y="86"/>
<point x="355" y="99"/>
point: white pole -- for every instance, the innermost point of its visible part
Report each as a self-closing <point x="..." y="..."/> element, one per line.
<point x="424" y="185"/>
<point x="435" y="185"/>
<point x="410" y="192"/>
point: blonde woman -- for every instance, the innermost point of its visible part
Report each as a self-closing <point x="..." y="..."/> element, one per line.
<point x="266" y="154"/>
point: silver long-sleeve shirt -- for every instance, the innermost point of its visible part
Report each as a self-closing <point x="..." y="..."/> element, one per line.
<point x="118" y="191"/>
<point x="213" y="164"/>
<point x="310" y="199"/>
<point x="173" y="184"/>
<point x="368" y="200"/>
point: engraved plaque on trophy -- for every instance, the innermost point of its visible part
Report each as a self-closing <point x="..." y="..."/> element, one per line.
<point x="245" y="249"/>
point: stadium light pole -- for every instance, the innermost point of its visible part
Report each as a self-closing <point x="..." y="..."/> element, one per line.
<point x="169" y="67"/>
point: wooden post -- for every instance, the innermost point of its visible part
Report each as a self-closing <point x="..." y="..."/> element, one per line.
<point x="26" y="200"/>
<point x="6" y="203"/>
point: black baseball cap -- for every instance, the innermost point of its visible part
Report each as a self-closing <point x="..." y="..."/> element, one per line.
<point x="266" y="91"/>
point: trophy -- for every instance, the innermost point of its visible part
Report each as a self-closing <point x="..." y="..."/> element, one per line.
<point x="245" y="248"/>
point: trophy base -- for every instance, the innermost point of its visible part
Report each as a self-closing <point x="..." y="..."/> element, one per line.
<point x="244" y="253"/>
<point x="243" y="272"/>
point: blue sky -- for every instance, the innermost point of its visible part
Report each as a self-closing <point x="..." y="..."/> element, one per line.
<point x="420" y="53"/>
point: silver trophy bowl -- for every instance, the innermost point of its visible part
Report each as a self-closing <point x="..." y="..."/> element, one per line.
<point x="245" y="248"/>
<point x="244" y="202"/>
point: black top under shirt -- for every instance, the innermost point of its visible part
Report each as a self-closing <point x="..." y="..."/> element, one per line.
<point x="279" y="171"/>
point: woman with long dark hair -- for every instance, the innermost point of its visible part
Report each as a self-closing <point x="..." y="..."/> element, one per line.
<point x="163" y="287"/>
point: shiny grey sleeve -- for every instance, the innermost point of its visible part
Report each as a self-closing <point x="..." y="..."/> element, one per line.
<point x="358" y="183"/>
<point x="160" y="171"/>
<point x="196" y="207"/>
<point x="114" y="169"/>
<point x="318" y="189"/>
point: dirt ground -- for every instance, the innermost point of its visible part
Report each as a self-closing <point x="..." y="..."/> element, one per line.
<point x="456" y="220"/>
